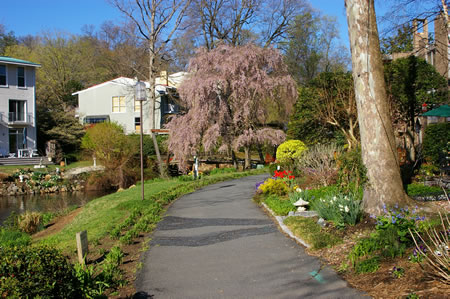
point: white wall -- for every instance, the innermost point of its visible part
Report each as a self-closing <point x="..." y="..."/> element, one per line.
<point x="98" y="101"/>
<point x="13" y="92"/>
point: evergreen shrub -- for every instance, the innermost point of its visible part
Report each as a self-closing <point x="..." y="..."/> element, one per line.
<point x="30" y="272"/>
<point x="436" y="142"/>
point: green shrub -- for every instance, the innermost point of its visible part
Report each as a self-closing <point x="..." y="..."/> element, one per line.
<point x="351" y="171"/>
<point x="340" y="209"/>
<point x="435" y="141"/>
<point x="91" y="285"/>
<point x="279" y="206"/>
<point x="367" y="266"/>
<point x="272" y="186"/>
<point x="290" y="151"/>
<point x="9" y="238"/>
<point x="36" y="272"/>
<point x="364" y="247"/>
<point x="111" y="273"/>
<point x="313" y="195"/>
<point x="417" y="189"/>
<point x="398" y="222"/>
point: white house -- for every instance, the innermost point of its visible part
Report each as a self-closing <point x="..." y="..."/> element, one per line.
<point x="17" y="106"/>
<point x="114" y="100"/>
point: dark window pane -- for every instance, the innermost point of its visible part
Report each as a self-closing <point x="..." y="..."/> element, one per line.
<point x="21" y="76"/>
<point x="2" y="75"/>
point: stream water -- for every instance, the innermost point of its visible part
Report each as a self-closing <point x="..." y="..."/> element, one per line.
<point x="45" y="202"/>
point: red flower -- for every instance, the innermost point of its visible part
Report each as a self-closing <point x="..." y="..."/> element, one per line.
<point x="291" y="177"/>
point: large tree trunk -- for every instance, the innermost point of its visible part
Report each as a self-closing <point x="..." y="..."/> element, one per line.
<point x="379" y="151"/>
<point x="247" y="157"/>
<point x="261" y="154"/>
<point x="234" y="159"/>
<point x="152" y="83"/>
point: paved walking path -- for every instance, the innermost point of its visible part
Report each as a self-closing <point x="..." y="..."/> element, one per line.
<point x="217" y="243"/>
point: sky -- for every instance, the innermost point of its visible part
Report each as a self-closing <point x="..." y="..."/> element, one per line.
<point x="35" y="16"/>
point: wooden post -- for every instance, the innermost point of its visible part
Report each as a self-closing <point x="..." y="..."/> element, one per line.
<point x="82" y="246"/>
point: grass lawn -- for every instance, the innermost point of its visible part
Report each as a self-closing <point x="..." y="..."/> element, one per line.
<point x="308" y="230"/>
<point x="10" y="169"/>
<point x="100" y="216"/>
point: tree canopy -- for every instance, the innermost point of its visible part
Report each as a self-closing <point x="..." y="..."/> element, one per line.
<point x="411" y="82"/>
<point x="326" y="110"/>
<point x="310" y="47"/>
<point x="230" y="93"/>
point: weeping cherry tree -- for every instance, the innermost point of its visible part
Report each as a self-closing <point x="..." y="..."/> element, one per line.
<point x="230" y="95"/>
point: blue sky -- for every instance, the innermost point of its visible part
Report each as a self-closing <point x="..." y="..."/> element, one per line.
<point x="34" y="16"/>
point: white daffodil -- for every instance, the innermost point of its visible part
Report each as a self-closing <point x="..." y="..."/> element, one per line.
<point x="298" y="190"/>
<point x="346" y="209"/>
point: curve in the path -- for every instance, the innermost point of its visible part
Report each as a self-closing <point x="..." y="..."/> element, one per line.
<point x="217" y="243"/>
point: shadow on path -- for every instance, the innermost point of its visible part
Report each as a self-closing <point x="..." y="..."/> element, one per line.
<point x="174" y="222"/>
<point x="213" y="238"/>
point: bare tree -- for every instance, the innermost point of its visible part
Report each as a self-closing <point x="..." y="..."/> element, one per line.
<point x="156" y="21"/>
<point x="377" y="136"/>
<point x="336" y="104"/>
<point x="237" y="22"/>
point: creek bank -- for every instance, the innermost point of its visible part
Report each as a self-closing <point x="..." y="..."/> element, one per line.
<point x="28" y="181"/>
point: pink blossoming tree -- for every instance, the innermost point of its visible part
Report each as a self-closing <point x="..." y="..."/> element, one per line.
<point x="229" y="95"/>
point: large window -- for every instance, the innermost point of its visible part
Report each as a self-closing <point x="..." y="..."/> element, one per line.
<point x="17" y="110"/>
<point x="20" y="76"/>
<point x="118" y="104"/>
<point x="17" y="139"/>
<point x="137" y="106"/>
<point x="95" y="119"/>
<point x="3" y="76"/>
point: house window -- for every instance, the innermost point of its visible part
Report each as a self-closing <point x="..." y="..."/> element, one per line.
<point x="21" y="76"/>
<point x="17" y="139"/>
<point x="3" y="76"/>
<point x="118" y="104"/>
<point x="137" y="106"/>
<point x="137" y="124"/>
<point x="17" y="110"/>
<point x="95" y="119"/>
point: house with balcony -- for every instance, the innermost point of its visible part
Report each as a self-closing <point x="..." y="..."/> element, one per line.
<point x="17" y="107"/>
<point x="114" y="100"/>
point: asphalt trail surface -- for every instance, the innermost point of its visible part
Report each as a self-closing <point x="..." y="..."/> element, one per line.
<point x="217" y="243"/>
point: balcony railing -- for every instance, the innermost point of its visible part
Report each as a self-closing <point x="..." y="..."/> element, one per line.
<point x="12" y="118"/>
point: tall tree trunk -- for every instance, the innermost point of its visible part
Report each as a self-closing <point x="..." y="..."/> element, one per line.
<point x="247" y="157"/>
<point x="152" y="83"/>
<point x="261" y="154"/>
<point x="379" y="151"/>
<point x="233" y="158"/>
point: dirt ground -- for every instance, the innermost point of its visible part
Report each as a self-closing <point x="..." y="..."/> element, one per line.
<point x="56" y="225"/>
<point x="382" y="284"/>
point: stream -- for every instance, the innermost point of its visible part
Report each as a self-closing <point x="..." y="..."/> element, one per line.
<point x="54" y="202"/>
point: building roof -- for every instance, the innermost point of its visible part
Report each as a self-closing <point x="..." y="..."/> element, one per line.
<point x="442" y="111"/>
<point x="10" y="60"/>
<point x="174" y="80"/>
